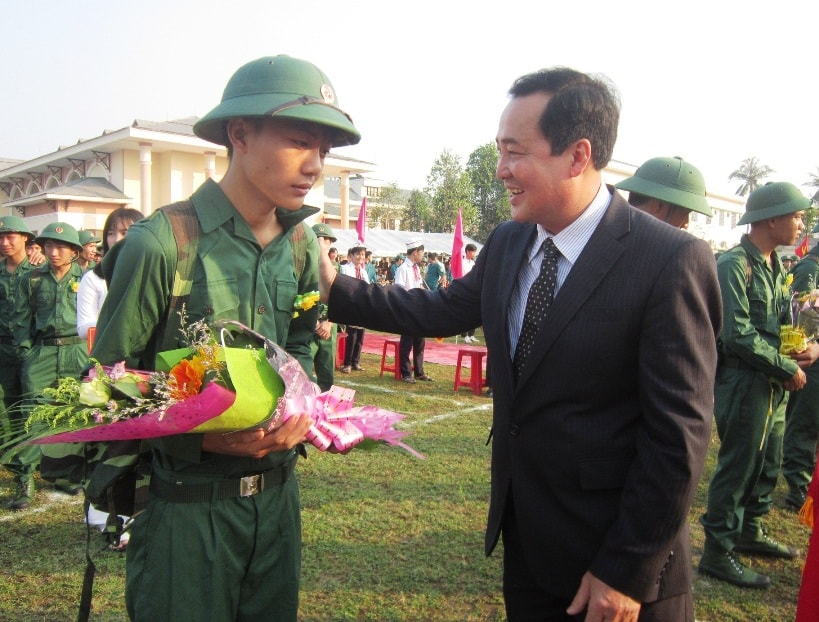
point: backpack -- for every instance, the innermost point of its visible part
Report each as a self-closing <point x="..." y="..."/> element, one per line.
<point x="117" y="473"/>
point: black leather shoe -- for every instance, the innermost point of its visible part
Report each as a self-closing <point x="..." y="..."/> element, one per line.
<point x="795" y="499"/>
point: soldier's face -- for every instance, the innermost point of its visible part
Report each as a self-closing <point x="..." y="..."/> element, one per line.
<point x="59" y="254"/>
<point x="12" y="244"/>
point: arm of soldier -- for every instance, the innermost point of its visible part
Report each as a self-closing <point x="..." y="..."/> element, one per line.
<point x="739" y="336"/>
<point x="22" y="320"/>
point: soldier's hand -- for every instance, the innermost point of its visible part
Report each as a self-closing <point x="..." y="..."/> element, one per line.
<point x="327" y="271"/>
<point x="258" y="443"/>
<point x="808" y="356"/>
<point x="797" y="381"/>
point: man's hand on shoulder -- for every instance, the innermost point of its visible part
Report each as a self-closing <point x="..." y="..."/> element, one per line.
<point x="327" y="271"/>
<point x="603" y="602"/>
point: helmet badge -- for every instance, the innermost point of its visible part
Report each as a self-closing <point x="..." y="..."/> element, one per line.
<point x="327" y="94"/>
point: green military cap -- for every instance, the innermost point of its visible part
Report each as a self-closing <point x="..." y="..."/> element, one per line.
<point x="772" y="200"/>
<point x="279" y="86"/>
<point x="61" y="232"/>
<point x="324" y="231"/>
<point x="13" y="224"/>
<point x="672" y="180"/>
<point x="87" y="237"/>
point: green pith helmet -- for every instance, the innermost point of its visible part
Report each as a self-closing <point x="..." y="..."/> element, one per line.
<point x="86" y="237"/>
<point x="772" y="200"/>
<point x="61" y="232"/>
<point x="323" y="230"/>
<point x="672" y="180"/>
<point x="279" y="86"/>
<point x="13" y="224"/>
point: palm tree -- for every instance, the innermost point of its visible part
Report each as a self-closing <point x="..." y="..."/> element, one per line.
<point x="813" y="183"/>
<point x="751" y="173"/>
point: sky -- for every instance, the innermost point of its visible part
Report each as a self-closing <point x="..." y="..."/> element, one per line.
<point x="714" y="82"/>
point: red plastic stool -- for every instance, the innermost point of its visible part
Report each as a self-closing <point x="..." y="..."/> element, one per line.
<point x="475" y="379"/>
<point x="395" y="368"/>
<point x="341" y="348"/>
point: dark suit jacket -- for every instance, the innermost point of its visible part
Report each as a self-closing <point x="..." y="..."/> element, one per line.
<point x="603" y="438"/>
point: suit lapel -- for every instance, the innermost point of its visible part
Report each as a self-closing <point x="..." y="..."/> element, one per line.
<point x="600" y="254"/>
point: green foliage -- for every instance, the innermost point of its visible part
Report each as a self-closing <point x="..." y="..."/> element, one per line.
<point x="751" y="173"/>
<point x="417" y="213"/>
<point x="388" y="208"/>
<point x="450" y="189"/>
<point x="489" y="195"/>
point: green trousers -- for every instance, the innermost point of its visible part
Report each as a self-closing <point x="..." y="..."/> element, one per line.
<point x="324" y="358"/>
<point x="232" y="560"/>
<point x="801" y="433"/>
<point x="42" y="367"/>
<point x="749" y="412"/>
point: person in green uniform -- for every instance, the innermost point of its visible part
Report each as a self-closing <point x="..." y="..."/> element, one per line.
<point x="323" y="346"/>
<point x="88" y="254"/>
<point x="200" y="550"/>
<point x="668" y="189"/>
<point x="751" y="384"/>
<point x="802" y="413"/>
<point x="44" y="323"/>
<point x="14" y="234"/>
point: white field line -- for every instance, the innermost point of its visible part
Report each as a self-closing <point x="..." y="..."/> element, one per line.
<point x="52" y="499"/>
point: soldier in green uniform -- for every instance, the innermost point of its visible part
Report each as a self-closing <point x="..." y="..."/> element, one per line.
<point x="201" y="550"/>
<point x="668" y="189"/>
<point x="750" y="392"/>
<point x="802" y="414"/>
<point x="14" y="234"/>
<point x="88" y="254"/>
<point x="44" y="323"/>
<point x="324" y="339"/>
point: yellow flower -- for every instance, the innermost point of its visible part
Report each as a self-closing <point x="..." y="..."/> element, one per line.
<point x="786" y="285"/>
<point x="304" y="302"/>
<point x="75" y="286"/>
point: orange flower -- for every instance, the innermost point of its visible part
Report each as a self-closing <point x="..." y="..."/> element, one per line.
<point x="187" y="378"/>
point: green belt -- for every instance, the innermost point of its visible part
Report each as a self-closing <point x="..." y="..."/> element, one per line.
<point x="183" y="492"/>
<point x="59" y="341"/>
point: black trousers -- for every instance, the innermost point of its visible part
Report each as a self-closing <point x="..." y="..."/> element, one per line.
<point x="527" y="601"/>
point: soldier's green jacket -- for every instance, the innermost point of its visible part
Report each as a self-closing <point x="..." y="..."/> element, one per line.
<point x="44" y="307"/>
<point x="9" y="283"/>
<point x="233" y="279"/>
<point x="804" y="274"/>
<point x="755" y="305"/>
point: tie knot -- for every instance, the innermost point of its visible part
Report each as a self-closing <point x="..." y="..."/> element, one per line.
<point x="550" y="250"/>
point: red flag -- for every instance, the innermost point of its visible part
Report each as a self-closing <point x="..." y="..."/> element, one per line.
<point x="456" y="264"/>
<point x="802" y="249"/>
<point x="361" y="224"/>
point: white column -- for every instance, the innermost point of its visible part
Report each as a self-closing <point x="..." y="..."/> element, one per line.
<point x="210" y="164"/>
<point x="145" y="178"/>
<point x="345" y="199"/>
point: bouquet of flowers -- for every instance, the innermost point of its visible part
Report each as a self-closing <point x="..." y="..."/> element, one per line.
<point x="208" y="387"/>
<point x="804" y="325"/>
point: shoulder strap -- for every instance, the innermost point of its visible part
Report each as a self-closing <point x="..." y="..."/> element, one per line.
<point x="298" y="243"/>
<point x="185" y="227"/>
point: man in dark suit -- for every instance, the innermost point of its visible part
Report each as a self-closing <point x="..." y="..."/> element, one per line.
<point x="600" y="435"/>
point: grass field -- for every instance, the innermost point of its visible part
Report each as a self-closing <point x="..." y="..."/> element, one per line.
<point x="386" y="538"/>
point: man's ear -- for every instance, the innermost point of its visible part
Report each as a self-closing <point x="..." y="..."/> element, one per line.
<point x="237" y="130"/>
<point x="581" y="153"/>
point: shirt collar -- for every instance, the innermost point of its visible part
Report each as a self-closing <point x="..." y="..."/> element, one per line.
<point x="572" y="240"/>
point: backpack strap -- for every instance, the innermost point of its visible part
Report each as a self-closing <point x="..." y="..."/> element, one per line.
<point x="186" y="232"/>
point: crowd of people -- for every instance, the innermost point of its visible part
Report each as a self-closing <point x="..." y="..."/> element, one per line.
<point x="613" y="336"/>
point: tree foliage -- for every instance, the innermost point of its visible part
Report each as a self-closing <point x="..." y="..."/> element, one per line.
<point x="489" y="195"/>
<point x="388" y="208"/>
<point x="417" y="211"/>
<point x="449" y="188"/>
<point x="751" y="173"/>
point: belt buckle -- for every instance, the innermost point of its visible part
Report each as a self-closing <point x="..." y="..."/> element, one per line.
<point x="58" y="342"/>
<point x="250" y="485"/>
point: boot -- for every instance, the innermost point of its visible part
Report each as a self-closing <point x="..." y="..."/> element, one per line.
<point x="23" y="494"/>
<point x="795" y="498"/>
<point x="721" y="564"/>
<point x="756" y="541"/>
